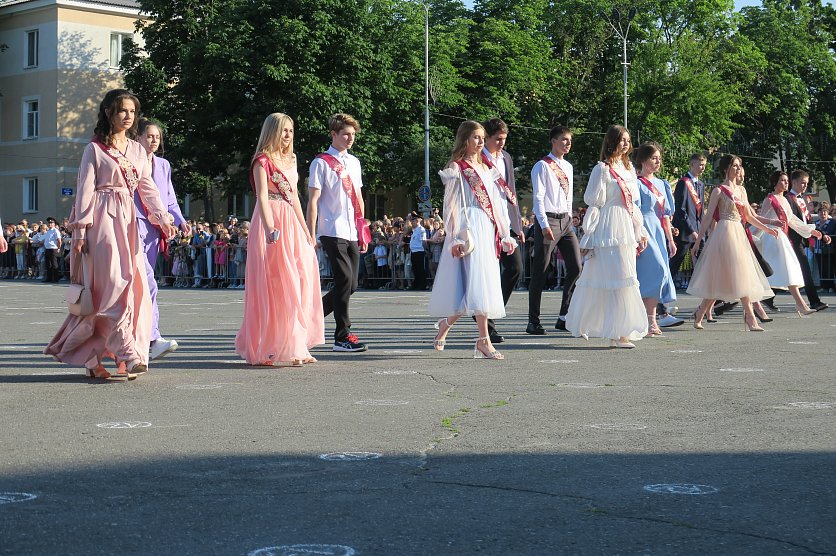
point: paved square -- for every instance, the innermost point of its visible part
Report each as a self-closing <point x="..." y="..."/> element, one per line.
<point x="713" y="441"/>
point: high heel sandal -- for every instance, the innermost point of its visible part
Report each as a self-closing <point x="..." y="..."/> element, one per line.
<point x="654" y="330"/>
<point x="697" y="323"/>
<point x="439" y="344"/>
<point x="479" y="354"/>
<point x="751" y="327"/>
<point x="102" y="374"/>
<point x="804" y="313"/>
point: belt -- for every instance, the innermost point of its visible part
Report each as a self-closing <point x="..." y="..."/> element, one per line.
<point x="557" y="215"/>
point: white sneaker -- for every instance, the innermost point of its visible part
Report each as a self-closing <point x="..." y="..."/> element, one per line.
<point x="668" y="321"/>
<point x="161" y="348"/>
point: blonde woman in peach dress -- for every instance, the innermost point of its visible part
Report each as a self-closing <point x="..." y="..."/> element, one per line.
<point x="283" y="317"/>
<point x="105" y="234"/>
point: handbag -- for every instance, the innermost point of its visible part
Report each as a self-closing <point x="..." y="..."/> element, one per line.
<point x="79" y="298"/>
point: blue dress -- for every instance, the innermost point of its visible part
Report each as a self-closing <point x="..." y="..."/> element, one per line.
<point x="652" y="264"/>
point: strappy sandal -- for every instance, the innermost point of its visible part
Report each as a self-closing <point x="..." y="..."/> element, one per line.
<point x="479" y="354"/>
<point x="437" y="343"/>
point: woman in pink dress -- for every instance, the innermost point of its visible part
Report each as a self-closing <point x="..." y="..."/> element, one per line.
<point x="283" y="316"/>
<point x="105" y="234"/>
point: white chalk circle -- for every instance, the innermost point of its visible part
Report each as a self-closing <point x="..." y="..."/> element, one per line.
<point x="402" y="351"/>
<point x="305" y="550"/>
<point x="396" y="372"/>
<point x="811" y="405"/>
<point x="12" y="497"/>
<point x="742" y="370"/>
<point x="679" y="488"/>
<point x="564" y="361"/>
<point x="199" y="386"/>
<point x="580" y="385"/>
<point x="124" y="425"/>
<point x="350" y="456"/>
<point x="803" y="343"/>
<point x="686" y="351"/>
<point x="381" y="402"/>
<point x="623" y="427"/>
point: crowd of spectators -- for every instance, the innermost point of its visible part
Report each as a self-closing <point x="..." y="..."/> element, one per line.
<point x="215" y="254"/>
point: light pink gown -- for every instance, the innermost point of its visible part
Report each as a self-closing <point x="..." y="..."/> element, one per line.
<point x="283" y="316"/>
<point x="104" y="215"/>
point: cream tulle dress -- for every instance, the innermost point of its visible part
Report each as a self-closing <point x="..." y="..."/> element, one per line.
<point x="607" y="302"/>
<point x="726" y="266"/>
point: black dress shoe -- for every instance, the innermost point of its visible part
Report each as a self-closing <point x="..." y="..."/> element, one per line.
<point x="560" y="325"/>
<point x="770" y="304"/>
<point x="496" y="339"/>
<point x="535" y="329"/>
<point x="723" y="307"/>
<point x="819" y="306"/>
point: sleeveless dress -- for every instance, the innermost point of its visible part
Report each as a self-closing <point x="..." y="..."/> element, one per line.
<point x="607" y="302"/>
<point x="282" y="298"/>
<point x="469" y="285"/>
<point x="726" y="267"/>
<point x="786" y="270"/>
<point x="652" y="265"/>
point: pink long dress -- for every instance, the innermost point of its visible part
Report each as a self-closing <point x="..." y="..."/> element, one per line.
<point x="283" y="316"/>
<point x="104" y="215"/>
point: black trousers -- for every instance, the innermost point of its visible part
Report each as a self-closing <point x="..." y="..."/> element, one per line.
<point x="566" y="242"/>
<point x="682" y="248"/>
<point x="512" y="269"/>
<point x="51" y="264"/>
<point x="419" y="270"/>
<point x="809" y="286"/>
<point x="344" y="256"/>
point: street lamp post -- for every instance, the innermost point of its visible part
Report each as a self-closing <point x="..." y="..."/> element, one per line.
<point x="615" y="22"/>
<point x="426" y="205"/>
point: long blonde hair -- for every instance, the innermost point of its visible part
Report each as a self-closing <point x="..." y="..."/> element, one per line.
<point x="270" y="139"/>
<point x="464" y="132"/>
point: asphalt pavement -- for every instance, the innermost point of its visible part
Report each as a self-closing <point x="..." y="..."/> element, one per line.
<point x="717" y="441"/>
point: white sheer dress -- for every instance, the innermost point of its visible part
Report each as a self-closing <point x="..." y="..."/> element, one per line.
<point x="470" y="285"/>
<point x="607" y="302"/>
<point x="786" y="270"/>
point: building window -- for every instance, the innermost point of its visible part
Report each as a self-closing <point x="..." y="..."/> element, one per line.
<point x="31" y="119"/>
<point x="116" y="48"/>
<point x="30" y="51"/>
<point x="30" y="194"/>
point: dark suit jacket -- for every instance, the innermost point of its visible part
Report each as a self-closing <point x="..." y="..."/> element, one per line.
<point x="685" y="217"/>
<point x="796" y="240"/>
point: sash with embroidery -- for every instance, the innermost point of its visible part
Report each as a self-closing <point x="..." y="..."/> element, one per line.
<point x="692" y="191"/>
<point x="364" y="234"/>
<point x="131" y="176"/>
<point x="660" y="200"/>
<point x="779" y="212"/>
<point x="512" y="198"/>
<point x="626" y="194"/>
<point x="737" y="202"/>
<point x="561" y="176"/>
<point x="471" y="176"/>
<point x="285" y="190"/>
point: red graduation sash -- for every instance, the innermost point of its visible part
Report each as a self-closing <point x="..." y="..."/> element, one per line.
<point x="512" y="197"/>
<point x="561" y="176"/>
<point x="364" y="234"/>
<point x="779" y="212"/>
<point x="131" y="176"/>
<point x="660" y="200"/>
<point x="285" y="190"/>
<point x="626" y="194"/>
<point x="471" y="176"/>
<point x="737" y="202"/>
<point x="692" y="191"/>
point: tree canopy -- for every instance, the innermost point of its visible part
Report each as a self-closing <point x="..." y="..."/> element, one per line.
<point x="701" y="78"/>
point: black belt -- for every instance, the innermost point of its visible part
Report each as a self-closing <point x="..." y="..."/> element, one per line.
<point x="557" y="215"/>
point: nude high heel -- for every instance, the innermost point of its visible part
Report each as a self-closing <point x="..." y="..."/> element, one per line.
<point x="751" y="327"/>
<point x="439" y="344"/>
<point x="803" y="312"/>
<point x="479" y="354"/>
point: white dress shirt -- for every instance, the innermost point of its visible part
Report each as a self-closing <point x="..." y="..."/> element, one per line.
<point x="548" y="194"/>
<point x="336" y="212"/>
<point x="416" y="242"/>
<point x="51" y="237"/>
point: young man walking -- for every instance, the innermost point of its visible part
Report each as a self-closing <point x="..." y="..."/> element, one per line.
<point x="335" y="204"/>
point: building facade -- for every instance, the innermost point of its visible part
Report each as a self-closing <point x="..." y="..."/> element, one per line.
<point x="61" y="57"/>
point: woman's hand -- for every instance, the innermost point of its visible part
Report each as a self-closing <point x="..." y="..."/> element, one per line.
<point x="169" y="230"/>
<point x="458" y="250"/>
<point x="671" y="248"/>
<point x="78" y="246"/>
<point x="509" y="245"/>
<point x="772" y="231"/>
<point x="816" y="234"/>
<point x="642" y="243"/>
<point x="695" y="250"/>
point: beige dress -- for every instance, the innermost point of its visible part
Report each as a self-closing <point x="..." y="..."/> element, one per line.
<point x="726" y="267"/>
